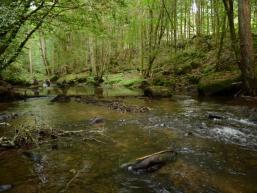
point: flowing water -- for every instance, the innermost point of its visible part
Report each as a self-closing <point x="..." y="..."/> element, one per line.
<point x="213" y="155"/>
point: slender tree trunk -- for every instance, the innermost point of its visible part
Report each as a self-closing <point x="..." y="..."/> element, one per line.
<point x="247" y="65"/>
<point x="198" y="18"/>
<point x="142" y="46"/>
<point x="30" y="62"/>
<point x="175" y="24"/>
<point x="43" y="53"/>
<point x="229" y="7"/>
<point x="223" y="33"/>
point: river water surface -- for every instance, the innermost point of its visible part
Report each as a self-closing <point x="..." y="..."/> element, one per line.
<point x="213" y="155"/>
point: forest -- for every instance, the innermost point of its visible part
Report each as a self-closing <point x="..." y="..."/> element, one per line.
<point x="170" y="43"/>
<point x="128" y="96"/>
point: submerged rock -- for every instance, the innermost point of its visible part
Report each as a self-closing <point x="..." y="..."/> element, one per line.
<point x="5" y="187"/>
<point x="214" y="116"/>
<point x="150" y="163"/>
<point x="97" y="120"/>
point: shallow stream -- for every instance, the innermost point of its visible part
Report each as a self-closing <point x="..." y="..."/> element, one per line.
<point x="217" y="155"/>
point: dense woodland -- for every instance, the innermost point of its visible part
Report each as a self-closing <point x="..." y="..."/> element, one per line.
<point x="166" y="42"/>
<point x="128" y="96"/>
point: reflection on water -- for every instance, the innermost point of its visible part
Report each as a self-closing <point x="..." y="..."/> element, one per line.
<point x="213" y="155"/>
<point x="80" y="90"/>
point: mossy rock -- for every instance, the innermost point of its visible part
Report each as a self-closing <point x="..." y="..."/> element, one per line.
<point x="157" y="91"/>
<point x="219" y="83"/>
<point x="72" y="79"/>
<point x="135" y="82"/>
<point x="131" y="80"/>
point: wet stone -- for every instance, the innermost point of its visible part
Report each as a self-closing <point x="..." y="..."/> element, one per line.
<point x="5" y="187"/>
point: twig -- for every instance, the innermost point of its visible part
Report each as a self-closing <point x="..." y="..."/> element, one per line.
<point x="93" y="139"/>
<point x="157" y="153"/>
<point x="73" y="178"/>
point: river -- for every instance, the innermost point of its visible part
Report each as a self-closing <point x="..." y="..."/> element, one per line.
<point x="214" y="155"/>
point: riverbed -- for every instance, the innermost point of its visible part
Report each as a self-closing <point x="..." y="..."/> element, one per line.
<point x="214" y="155"/>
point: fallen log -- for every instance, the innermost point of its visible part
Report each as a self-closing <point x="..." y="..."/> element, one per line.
<point x="150" y="163"/>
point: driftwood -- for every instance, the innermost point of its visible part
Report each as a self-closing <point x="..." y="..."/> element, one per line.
<point x="157" y="153"/>
<point x="249" y="98"/>
<point x="150" y="163"/>
<point x="44" y="136"/>
<point x="116" y="105"/>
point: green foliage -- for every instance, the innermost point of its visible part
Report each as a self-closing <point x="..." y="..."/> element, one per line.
<point x="15" y="74"/>
<point x="131" y="79"/>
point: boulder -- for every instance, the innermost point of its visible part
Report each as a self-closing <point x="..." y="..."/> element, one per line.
<point x="220" y="83"/>
<point x="61" y="99"/>
<point x="157" y="91"/>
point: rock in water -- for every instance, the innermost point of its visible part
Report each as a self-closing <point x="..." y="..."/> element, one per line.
<point x="61" y="99"/>
<point x="97" y="120"/>
<point x="150" y="163"/>
<point x="5" y="187"/>
<point x="213" y="116"/>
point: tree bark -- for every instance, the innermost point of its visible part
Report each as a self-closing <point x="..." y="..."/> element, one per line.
<point x="247" y="64"/>
<point x="229" y="7"/>
<point x="30" y="62"/>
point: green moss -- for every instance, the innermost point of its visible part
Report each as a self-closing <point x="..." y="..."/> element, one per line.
<point x="91" y="80"/>
<point x="72" y="78"/>
<point x="130" y="79"/>
<point x="217" y="82"/>
<point x="131" y="82"/>
<point x="113" y="78"/>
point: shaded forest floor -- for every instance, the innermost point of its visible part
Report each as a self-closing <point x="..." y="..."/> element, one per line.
<point x="193" y="69"/>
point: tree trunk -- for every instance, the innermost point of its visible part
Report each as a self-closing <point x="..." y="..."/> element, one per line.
<point x="30" y="62"/>
<point x="247" y="65"/>
<point x="43" y="53"/>
<point x="223" y="33"/>
<point x="229" y="7"/>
